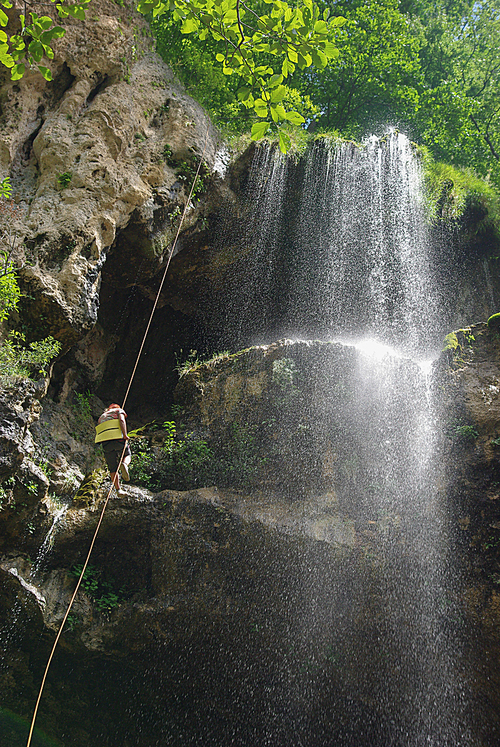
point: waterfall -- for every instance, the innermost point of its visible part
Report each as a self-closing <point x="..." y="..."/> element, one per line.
<point x="356" y="266"/>
<point x="361" y="251"/>
<point x="27" y="576"/>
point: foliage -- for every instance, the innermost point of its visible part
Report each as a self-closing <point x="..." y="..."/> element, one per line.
<point x="34" y="44"/>
<point x="283" y="373"/>
<point x="374" y="81"/>
<point x="83" y="405"/>
<point x="9" y="294"/>
<point x="192" y="362"/>
<point x="190" y="462"/>
<point x="5" y="188"/>
<point x="19" y="361"/>
<point x="459" y="104"/>
<point x="186" y="173"/>
<point x="294" y="37"/>
<point x="16" y="359"/>
<point x="178" y="464"/>
<point x="462" y="433"/>
<point x="12" y="249"/>
<point x="452" y="192"/>
<point x="103" y="592"/>
<point x="238" y="458"/>
<point x="64" y="179"/>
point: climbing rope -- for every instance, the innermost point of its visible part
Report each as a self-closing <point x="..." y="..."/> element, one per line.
<point x="84" y="568"/>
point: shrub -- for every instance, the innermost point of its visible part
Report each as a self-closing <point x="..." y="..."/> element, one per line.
<point x="19" y="361"/>
<point x="104" y="593"/>
<point x="9" y="294"/>
<point x="178" y="464"/>
<point x="190" y="462"/>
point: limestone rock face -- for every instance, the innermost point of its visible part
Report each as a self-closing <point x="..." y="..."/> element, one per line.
<point x="303" y="410"/>
<point x="469" y="381"/>
<point x="93" y="152"/>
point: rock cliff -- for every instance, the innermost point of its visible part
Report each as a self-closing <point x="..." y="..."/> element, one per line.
<point x="238" y="610"/>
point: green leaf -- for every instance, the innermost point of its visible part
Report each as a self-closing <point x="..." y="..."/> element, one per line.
<point x="4" y="19"/>
<point x="17" y="72"/>
<point x="244" y="93"/>
<point x="189" y="25"/>
<point x="303" y="61"/>
<point x="320" y="27"/>
<point x="5" y="58"/>
<point x="275" y="80"/>
<point x="319" y="59"/>
<point x="45" y="22"/>
<point x="3" y="36"/>
<point x="278" y="94"/>
<point x="278" y="113"/>
<point x="76" y="11"/>
<point x="259" y="129"/>
<point x="284" y="142"/>
<point x="338" y="21"/>
<point x="6" y="188"/>
<point x="56" y="32"/>
<point x="295" y="118"/>
<point x="146" y="6"/>
<point x="330" y="49"/>
<point x="36" y="50"/>
<point x="45" y="72"/>
<point x="220" y="57"/>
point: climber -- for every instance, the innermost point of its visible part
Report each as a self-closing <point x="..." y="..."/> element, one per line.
<point x="111" y="432"/>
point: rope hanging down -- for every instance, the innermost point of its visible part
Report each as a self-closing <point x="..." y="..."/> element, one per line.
<point x="84" y="568"/>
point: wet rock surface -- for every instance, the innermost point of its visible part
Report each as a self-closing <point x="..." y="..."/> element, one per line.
<point x="239" y="616"/>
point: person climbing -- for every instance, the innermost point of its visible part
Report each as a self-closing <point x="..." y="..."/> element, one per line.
<point x="111" y="432"/>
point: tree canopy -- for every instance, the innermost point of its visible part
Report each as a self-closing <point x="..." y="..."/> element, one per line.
<point x="430" y="67"/>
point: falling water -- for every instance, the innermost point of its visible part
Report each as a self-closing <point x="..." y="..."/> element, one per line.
<point x="359" y="269"/>
<point x="28" y="581"/>
<point x="361" y="250"/>
<point x="261" y="234"/>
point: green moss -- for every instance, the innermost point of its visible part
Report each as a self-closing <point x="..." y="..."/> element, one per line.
<point x="87" y="493"/>
<point x="451" y="192"/>
<point x="451" y="341"/>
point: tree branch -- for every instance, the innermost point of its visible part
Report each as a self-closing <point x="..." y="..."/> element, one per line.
<point x="485" y="137"/>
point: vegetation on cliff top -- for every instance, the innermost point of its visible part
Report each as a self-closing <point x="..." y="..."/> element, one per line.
<point x="430" y="69"/>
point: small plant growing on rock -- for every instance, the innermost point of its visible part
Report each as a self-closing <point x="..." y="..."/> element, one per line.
<point x="462" y="433"/>
<point x="63" y="180"/>
<point x="186" y="173"/>
<point x="284" y="371"/>
<point x="102" y="592"/>
<point x="83" y="405"/>
<point x="179" y="464"/>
